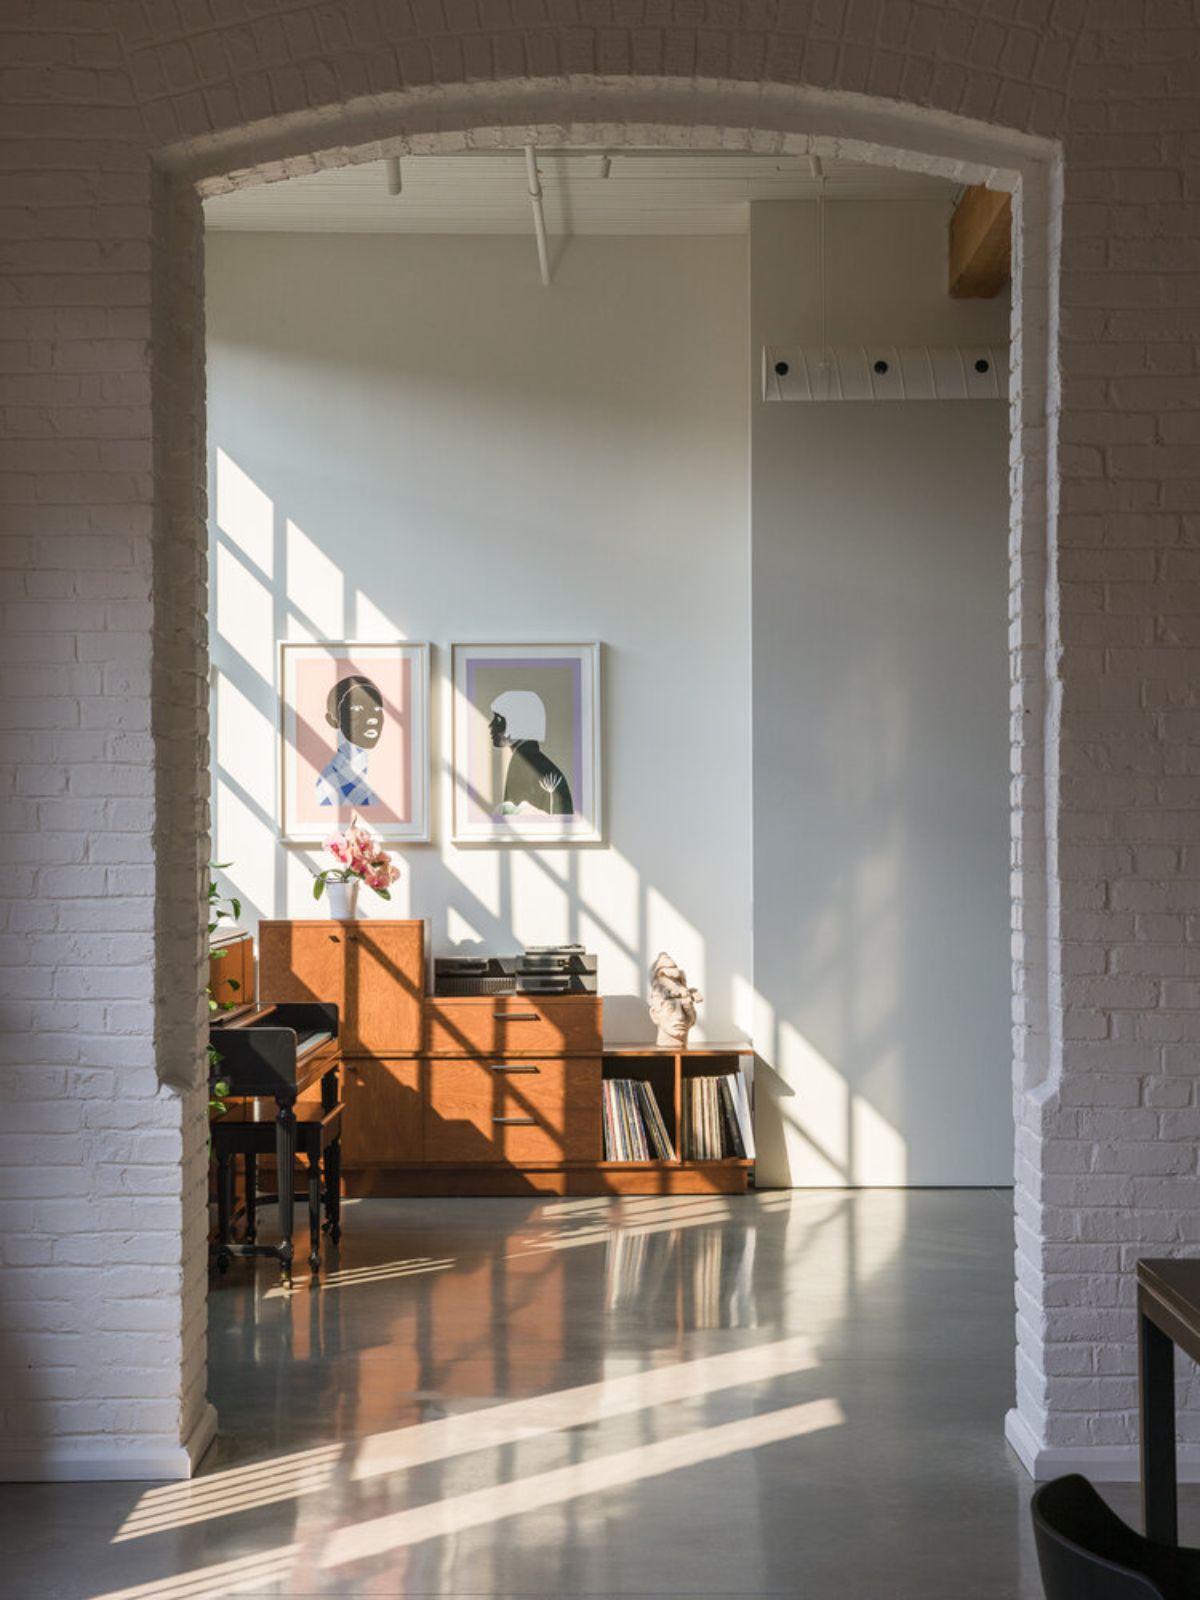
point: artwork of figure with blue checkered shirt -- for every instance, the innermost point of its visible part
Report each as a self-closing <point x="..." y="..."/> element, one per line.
<point x="355" y="709"/>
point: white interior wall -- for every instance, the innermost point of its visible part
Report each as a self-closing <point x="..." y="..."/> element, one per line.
<point x="411" y="437"/>
<point x="880" y="587"/>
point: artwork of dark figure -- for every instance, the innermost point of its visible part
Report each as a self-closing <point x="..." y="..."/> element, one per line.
<point x="355" y="709"/>
<point x="533" y="782"/>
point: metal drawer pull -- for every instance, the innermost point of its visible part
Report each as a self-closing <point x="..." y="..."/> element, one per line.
<point x="516" y="1122"/>
<point x="505" y="1066"/>
<point x="515" y="1016"/>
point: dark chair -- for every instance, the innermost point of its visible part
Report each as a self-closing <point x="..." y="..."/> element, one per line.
<point x="248" y="1129"/>
<point x="1086" y="1552"/>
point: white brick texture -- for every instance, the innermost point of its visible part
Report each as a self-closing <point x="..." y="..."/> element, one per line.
<point x="112" y="116"/>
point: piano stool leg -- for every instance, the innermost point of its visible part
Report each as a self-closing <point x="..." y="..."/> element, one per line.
<point x="314" y="1210"/>
<point x="251" y="1197"/>
<point x="333" y="1190"/>
<point x="285" y="1161"/>
<point x="224" y="1208"/>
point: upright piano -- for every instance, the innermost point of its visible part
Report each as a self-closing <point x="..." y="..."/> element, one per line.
<point x="277" y="1052"/>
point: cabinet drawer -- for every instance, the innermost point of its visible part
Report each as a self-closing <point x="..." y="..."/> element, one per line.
<point x="513" y="1024"/>
<point x="493" y="1109"/>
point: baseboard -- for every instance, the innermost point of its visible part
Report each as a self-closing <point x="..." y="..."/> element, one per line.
<point x="1102" y="1463"/>
<point x="80" y="1460"/>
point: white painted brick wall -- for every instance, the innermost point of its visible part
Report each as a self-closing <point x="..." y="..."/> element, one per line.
<point x="101" y="644"/>
<point x="103" y="1351"/>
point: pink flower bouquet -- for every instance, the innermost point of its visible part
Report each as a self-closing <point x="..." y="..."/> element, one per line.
<point x="358" y="855"/>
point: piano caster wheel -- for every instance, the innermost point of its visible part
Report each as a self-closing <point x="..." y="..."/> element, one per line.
<point x="223" y="1261"/>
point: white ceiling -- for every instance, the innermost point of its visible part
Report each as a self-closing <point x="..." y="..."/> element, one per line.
<point x="644" y="192"/>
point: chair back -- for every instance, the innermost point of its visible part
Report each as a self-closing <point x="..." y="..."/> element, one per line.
<point x="1085" y="1551"/>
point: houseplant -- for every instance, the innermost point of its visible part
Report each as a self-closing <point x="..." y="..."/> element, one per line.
<point x="220" y="909"/>
<point x="360" y="859"/>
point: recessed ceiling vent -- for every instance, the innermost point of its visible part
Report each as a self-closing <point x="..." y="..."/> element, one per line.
<point x="885" y="372"/>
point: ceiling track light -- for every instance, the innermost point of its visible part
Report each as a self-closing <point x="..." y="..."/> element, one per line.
<point x="539" y="215"/>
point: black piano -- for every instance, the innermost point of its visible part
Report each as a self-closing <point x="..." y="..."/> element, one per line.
<point x="277" y="1052"/>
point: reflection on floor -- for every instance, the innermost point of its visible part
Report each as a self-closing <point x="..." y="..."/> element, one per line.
<point x="776" y="1394"/>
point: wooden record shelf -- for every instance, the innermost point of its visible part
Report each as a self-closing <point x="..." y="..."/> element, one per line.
<point x="665" y="1067"/>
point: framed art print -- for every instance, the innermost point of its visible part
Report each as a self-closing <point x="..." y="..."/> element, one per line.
<point x="526" y="743"/>
<point x="354" y="728"/>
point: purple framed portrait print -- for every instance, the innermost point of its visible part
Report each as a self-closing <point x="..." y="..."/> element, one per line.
<point x="526" y="743"/>
<point x="353" y="726"/>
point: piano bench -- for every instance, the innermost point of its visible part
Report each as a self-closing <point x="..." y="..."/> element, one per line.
<point x="248" y="1129"/>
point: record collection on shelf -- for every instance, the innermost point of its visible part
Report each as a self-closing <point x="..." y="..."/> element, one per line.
<point x="634" y="1129"/>
<point x="716" y="1118"/>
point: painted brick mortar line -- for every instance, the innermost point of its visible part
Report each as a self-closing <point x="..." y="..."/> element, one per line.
<point x="1124" y="892"/>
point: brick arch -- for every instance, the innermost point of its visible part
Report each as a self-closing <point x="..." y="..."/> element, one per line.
<point x="682" y="115"/>
<point x="201" y="73"/>
<point x="115" y="110"/>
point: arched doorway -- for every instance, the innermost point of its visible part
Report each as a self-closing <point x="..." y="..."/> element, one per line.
<point x="694" y="117"/>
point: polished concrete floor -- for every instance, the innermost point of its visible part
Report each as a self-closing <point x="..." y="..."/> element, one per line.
<point x="784" y="1394"/>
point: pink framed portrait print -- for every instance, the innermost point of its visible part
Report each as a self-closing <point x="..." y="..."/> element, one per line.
<point x="354" y="733"/>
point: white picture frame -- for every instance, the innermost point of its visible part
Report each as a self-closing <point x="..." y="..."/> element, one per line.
<point x="549" y="750"/>
<point x="328" y="780"/>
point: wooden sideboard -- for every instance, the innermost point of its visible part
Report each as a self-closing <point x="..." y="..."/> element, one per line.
<point x="490" y="1094"/>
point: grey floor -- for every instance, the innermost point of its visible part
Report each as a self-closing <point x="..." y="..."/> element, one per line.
<point x="795" y="1394"/>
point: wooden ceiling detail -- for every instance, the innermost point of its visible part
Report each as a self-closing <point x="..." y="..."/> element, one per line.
<point x="980" y="244"/>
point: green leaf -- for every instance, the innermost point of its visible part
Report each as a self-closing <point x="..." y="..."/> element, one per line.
<point x="237" y="906"/>
<point x="318" y="886"/>
<point x="233" y="984"/>
<point x="384" y="894"/>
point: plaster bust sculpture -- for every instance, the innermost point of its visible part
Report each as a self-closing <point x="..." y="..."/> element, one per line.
<point x="672" y="1003"/>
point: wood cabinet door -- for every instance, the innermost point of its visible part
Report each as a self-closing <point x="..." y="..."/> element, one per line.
<point x="385" y="986"/>
<point x="381" y="1123"/>
<point x="374" y="971"/>
<point x="302" y="961"/>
